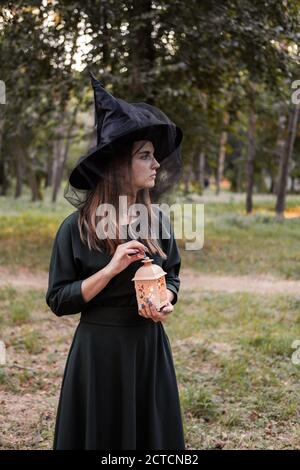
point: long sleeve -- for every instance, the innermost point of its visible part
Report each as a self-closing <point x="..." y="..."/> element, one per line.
<point x="64" y="294"/>
<point x="172" y="265"/>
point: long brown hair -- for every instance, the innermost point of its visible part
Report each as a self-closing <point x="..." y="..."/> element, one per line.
<point x="111" y="184"/>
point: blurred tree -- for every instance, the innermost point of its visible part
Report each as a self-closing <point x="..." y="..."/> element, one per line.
<point x="209" y="64"/>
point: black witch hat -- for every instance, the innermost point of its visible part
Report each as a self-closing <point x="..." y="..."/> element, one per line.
<point x="118" y="123"/>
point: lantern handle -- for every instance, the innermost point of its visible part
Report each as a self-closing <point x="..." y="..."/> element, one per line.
<point x="146" y="259"/>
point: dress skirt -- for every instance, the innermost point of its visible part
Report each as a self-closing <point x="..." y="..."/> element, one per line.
<point x="119" y="388"/>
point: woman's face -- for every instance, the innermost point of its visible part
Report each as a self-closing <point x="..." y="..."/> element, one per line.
<point x="144" y="165"/>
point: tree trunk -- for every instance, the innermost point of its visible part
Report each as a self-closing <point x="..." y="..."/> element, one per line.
<point x="49" y="166"/>
<point x="35" y="194"/>
<point x="239" y="178"/>
<point x="187" y="178"/>
<point x="280" y="146"/>
<point x="62" y="156"/>
<point x="293" y="179"/>
<point x="272" y="184"/>
<point x="222" y="152"/>
<point x="202" y="169"/>
<point x="142" y="53"/>
<point x="250" y="160"/>
<point x="19" y="169"/>
<point x="285" y="159"/>
<point x="59" y="163"/>
<point x="4" y="183"/>
<point x="33" y="181"/>
<point x="199" y="165"/>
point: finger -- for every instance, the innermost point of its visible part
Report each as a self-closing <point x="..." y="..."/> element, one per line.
<point x="153" y="310"/>
<point x="147" y="311"/>
<point x="133" y="258"/>
<point x="138" y="245"/>
<point x="163" y="315"/>
<point x="136" y="254"/>
<point x="155" y="314"/>
<point x="142" y="311"/>
<point x="132" y="251"/>
<point x="166" y="310"/>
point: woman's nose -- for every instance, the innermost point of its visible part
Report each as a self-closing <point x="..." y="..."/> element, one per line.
<point x="156" y="165"/>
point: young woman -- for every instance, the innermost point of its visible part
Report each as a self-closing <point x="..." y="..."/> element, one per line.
<point x="119" y="389"/>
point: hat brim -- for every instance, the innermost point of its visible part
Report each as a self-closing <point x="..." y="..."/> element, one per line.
<point x="166" y="139"/>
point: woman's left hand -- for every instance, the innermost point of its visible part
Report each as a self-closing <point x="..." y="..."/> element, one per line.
<point x="168" y="308"/>
<point x="149" y="311"/>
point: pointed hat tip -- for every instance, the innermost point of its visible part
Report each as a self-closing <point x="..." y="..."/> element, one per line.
<point x="94" y="79"/>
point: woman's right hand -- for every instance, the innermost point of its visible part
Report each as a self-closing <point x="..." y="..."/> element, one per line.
<point x="125" y="254"/>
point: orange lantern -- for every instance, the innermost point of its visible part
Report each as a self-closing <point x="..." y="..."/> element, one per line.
<point x="150" y="283"/>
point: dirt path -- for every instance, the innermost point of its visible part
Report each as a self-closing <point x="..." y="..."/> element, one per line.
<point x="23" y="279"/>
<point x="259" y="284"/>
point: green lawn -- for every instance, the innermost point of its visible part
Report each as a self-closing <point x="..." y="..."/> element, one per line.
<point x="232" y="353"/>
<point x="238" y="385"/>
<point x="234" y="243"/>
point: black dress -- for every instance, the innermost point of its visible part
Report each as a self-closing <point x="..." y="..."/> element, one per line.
<point x="119" y="388"/>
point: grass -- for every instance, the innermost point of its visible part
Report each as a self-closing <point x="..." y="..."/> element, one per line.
<point x="232" y="353"/>
<point x="235" y="370"/>
<point x="16" y="306"/>
<point x="234" y="243"/>
<point x="36" y="350"/>
<point x="240" y="244"/>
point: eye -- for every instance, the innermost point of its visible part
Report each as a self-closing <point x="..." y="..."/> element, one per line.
<point x="145" y="156"/>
